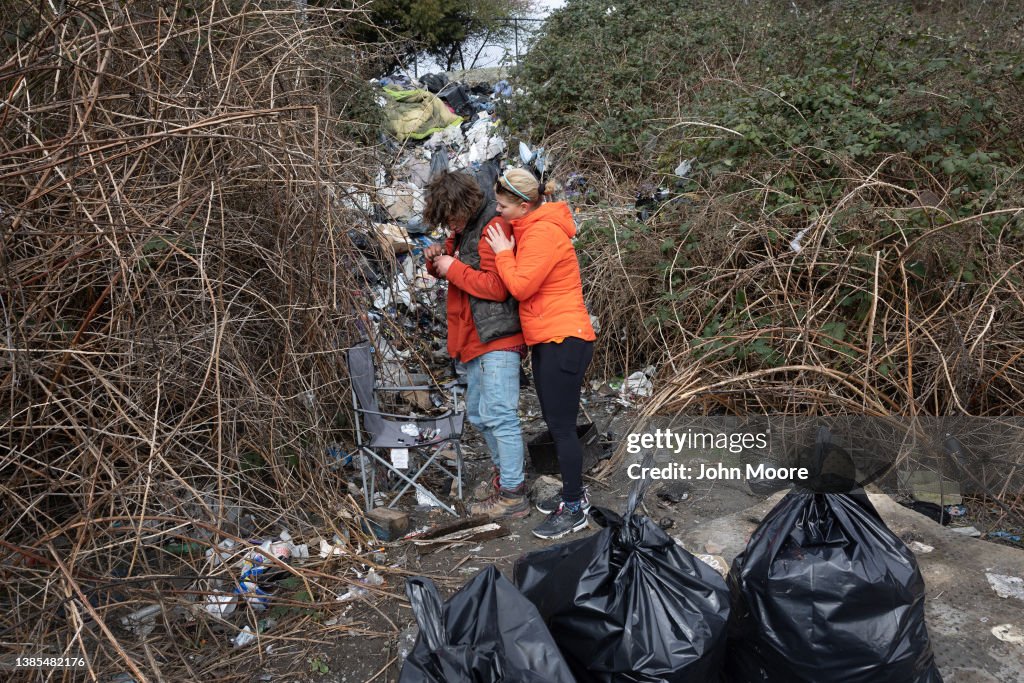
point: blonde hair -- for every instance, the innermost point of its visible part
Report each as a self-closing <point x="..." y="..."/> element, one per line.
<point x="521" y="185"/>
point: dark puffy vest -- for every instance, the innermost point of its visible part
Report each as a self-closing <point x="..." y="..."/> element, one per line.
<point x="493" y="319"/>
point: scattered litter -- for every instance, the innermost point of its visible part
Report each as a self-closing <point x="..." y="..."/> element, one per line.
<point x="535" y="159"/>
<point x="674" y="491"/>
<point x="966" y="531"/>
<point x="796" y="243"/>
<point x="1005" y="535"/>
<point x="220" y="604"/>
<point x="920" y="548"/>
<point x="406" y="641"/>
<point x="372" y="578"/>
<point x="221" y="553"/>
<point x="327" y="549"/>
<point x="247" y="635"/>
<point x="1008" y="633"/>
<point x="1006" y="586"/>
<point x="143" y="621"/>
<point x="484" y="141"/>
<point x="638" y="385"/>
<point x="684" y="167"/>
<point x="424" y="498"/>
<point x="956" y="510"/>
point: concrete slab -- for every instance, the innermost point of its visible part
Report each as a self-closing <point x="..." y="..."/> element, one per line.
<point x="961" y="608"/>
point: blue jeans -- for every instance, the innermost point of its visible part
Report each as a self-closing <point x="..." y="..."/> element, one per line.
<point x="492" y="406"/>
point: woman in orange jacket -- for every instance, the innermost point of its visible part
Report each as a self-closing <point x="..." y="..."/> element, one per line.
<point x="538" y="266"/>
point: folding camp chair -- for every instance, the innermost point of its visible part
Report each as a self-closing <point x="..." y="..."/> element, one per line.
<point x="380" y="432"/>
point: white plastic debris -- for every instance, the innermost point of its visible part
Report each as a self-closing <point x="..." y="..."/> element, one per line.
<point x="920" y="548"/>
<point x="484" y="141"/>
<point x="244" y="637"/>
<point x="410" y="429"/>
<point x="1006" y="586"/>
<point x="637" y="385"/>
<point x="372" y="578"/>
<point x="400" y="200"/>
<point x="684" y="167"/>
<point x="327" y="550"/>
<point x="965" y="531"/>
<point x="1008" y="633"/>
<point x="220" y="604"/>
<point x="221" y="553"/>
<point x="423" y="499"/>
<point x="795" y="243"/>
<point x="450" y="137"/>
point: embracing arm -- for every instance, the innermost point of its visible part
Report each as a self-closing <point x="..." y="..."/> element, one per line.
<point x="483" y="283"/>
<point x="525" y="270"/>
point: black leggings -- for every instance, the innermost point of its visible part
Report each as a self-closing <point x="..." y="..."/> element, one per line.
<point x="558" y="377"/>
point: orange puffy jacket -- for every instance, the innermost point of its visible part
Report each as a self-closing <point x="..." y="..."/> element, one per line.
<point x="463" y="341"/>
<point x="544" y="275"/>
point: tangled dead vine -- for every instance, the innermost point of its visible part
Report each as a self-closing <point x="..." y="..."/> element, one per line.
<point x="177" y="280"/>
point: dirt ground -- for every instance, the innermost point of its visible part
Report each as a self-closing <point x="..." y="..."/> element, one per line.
<point x="714" y="517"/>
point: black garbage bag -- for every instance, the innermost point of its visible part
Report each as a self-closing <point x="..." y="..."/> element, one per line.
<point x="628" y="604"/>
<point x="825" y="592"/>
<point x="486" y="633"/>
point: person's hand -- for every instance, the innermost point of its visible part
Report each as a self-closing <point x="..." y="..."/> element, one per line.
<point x="499" y="243"/>
<point x="442" y="263"/>
<point x="433" y="251"/>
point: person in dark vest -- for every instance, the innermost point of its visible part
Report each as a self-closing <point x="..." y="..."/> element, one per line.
<point x="484" y="332"/>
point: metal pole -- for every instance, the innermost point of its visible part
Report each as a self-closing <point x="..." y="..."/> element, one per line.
<point x="515" y="25"/>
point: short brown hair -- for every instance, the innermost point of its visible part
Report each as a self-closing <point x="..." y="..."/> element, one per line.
<point x="450" y="195"/>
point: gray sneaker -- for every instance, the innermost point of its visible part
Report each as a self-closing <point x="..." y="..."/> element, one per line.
<point x="562" y="522"/>
<point x="551" y="503"/>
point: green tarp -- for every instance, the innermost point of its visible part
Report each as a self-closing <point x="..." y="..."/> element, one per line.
<point x="415" y="114"/>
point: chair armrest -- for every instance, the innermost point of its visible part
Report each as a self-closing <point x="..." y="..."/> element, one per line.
<point x="417" y="387"/>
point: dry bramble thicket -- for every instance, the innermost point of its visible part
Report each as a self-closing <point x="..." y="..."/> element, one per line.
<point x="177" y="279"/>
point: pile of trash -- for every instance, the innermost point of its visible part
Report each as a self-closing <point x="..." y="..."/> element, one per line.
<point x="429" y="126"/>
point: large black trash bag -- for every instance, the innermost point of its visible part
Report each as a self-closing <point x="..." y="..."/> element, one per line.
<point x="486" y="633"/>
<point x="628" y="604"/>
<point x="824" y="592"/>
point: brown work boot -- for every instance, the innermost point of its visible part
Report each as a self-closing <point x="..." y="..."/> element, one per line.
<point x="486" y="488"/>
<point x="504" y="503"/>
